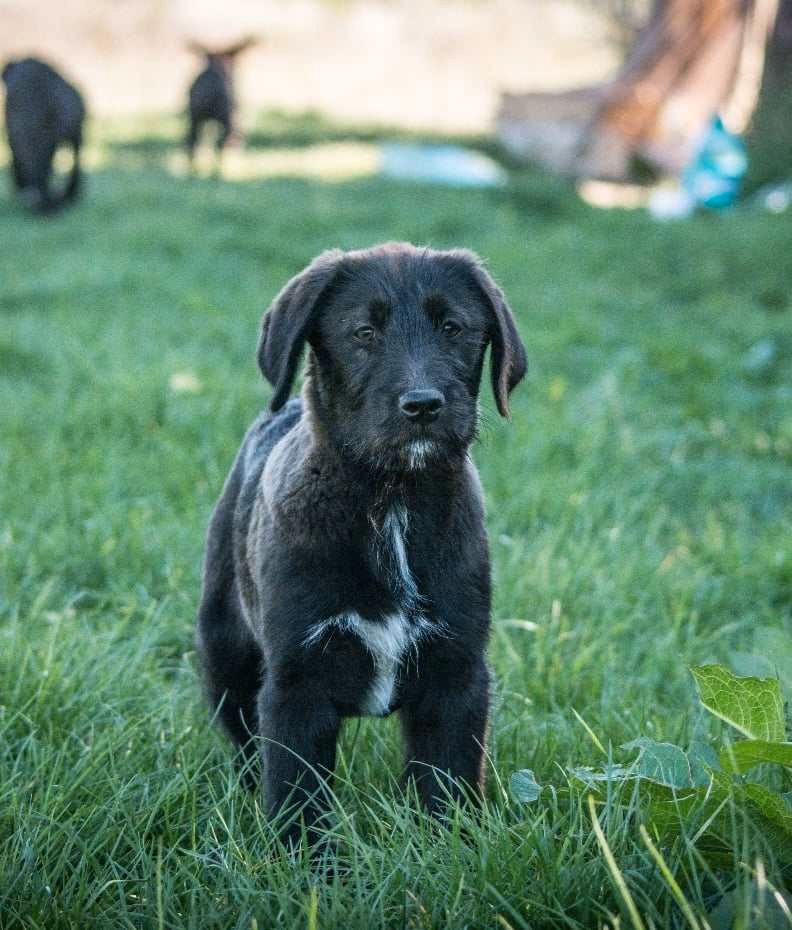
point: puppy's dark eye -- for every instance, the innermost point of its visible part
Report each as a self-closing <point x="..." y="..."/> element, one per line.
<point x="451" y="329"/>
<point x="364" y="333"/>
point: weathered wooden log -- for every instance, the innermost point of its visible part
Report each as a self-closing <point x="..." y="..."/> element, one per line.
<point x="694" y="58"/>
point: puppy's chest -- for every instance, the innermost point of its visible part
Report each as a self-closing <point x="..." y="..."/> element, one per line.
<point x="388" y="636"/>
<point x="389" y="560"/>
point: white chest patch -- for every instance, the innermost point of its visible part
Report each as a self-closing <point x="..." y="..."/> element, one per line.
<point x="388" y="641"/>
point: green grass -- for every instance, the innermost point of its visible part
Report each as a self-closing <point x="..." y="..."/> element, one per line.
<point x="639" y="510"/>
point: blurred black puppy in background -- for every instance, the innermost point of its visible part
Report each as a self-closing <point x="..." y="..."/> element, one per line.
<point x="211" y="95"/>
<point x="42" y="111"/>
<point x="347" y="568"/>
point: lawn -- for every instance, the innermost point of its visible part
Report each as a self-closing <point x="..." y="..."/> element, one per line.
<point x="639" y="508"/>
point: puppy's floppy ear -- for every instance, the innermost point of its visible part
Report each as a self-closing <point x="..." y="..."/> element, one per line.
<point x="197" y="48"/>
<point x="508" y="361"/>
<point x="241" y="46"/>
<point x="288" y="320"/>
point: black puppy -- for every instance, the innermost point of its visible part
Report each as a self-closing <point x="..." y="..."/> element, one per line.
<point x="347" y="567"/>
<point x="42" y="111"/>
<point x="211" y="95"/>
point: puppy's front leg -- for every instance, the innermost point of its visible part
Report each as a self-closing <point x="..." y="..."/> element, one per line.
<point x="299" y="733"/>
<point x="445" y="730"/>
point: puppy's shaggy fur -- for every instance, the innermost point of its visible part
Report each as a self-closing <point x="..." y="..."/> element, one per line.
<point x="347" y="568"/>
<point x="43" y="111"/>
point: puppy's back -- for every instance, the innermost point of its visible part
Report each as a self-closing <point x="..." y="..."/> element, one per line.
<point x="265" y="433"/>
<point x="37" y="94"/>
<point x="228" y="527"/>
<point x="236" y="502"/>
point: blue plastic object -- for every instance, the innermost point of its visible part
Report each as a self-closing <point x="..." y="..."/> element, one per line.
<point x="440" y="164"/>
<point x="714" y="176"/>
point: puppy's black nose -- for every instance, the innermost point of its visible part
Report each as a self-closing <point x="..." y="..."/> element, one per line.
<point x="421" y="406"/>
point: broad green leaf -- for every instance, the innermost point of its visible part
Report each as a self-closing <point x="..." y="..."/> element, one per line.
<point x="591" y="777"/>
<point x="669" y="808"/>
<point x="768" y="911"/>
<point x="703" y="761"/>
<point x="771" y="805"/>
<point x="524" y="786"/>
<point x="662" y="763"/>
<point x="771" y="813"/>
<point x="750" y="752"/>
<point x="765" y="809"/>
<point x="751" y="705"/>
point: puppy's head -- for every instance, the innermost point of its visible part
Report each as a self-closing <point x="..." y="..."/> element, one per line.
<point x="397" y="340"/>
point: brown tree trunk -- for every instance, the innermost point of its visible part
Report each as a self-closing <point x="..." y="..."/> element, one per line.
<point x="694" y="58"/>
<point x="679" y="73"/>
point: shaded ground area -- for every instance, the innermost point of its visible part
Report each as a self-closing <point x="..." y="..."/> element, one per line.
<point x="639" y="505"/>
<point x="155" y="135"/>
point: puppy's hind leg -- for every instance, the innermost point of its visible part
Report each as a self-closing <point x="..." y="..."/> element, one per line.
<point x="192" y="140"/>
<point x="224" y="134"/>
<point x="35" y="177"/>
<point x="74" y="183"/>
<point x="233" y="669"/>
<point x="17" y="174"/>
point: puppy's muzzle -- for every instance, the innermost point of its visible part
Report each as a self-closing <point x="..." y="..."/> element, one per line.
<point x="421" y="406"/>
